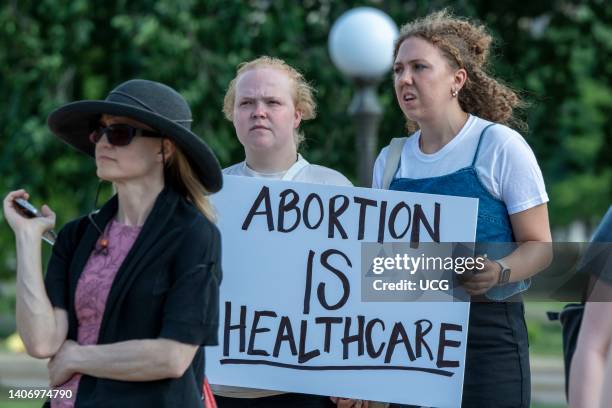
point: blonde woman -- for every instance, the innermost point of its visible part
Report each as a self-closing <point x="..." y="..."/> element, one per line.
<point x="266" y="102"/>
<point x="131" y="291"/>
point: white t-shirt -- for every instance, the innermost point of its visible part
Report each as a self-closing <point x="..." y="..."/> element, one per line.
<point x="302" y="171"/>
<point x="505" y="164"/>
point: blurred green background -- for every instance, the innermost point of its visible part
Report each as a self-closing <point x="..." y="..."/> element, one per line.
<point x="557" y="53"/>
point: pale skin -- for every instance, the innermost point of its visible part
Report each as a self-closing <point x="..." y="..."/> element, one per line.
<point x="606" y="389"/>
<point x="590" y="381"/>
<point x="137" y="173"/>
<point x="265" y="119"/>
<point x="424" y="83"/>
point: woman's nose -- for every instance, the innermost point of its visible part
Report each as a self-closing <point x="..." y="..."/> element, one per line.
<point x="405" y="77"/>
<point x="104" y="141"/>
<point x="259" y="110"/>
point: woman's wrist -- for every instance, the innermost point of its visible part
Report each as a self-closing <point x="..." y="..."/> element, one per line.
<point x="26" y="237"/>
<point x="503" y="273"/>
<point x="76" y="357"/>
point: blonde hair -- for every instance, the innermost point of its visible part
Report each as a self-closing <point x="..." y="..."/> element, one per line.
<point x="466" y="45"/>
<point x="181" y="177"/>
<point x="303" y="93"/>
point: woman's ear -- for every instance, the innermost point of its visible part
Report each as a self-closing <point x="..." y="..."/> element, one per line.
<point x="297" y="118"/>
<point x="459" y="79"/>
<point x="169" y="149"/>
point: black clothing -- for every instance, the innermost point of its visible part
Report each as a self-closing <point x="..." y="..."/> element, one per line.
<point x="167" y="287"/>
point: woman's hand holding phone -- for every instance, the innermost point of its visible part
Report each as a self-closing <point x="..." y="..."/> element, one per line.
<point x="477" y="282"/>
<point x="24" y="222"/>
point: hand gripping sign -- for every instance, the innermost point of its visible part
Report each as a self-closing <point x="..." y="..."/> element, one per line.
<point x="293" y="316"/>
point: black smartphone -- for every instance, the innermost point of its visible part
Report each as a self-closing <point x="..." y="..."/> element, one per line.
<point x="464" y="250"/>
<point x="28" y="210"/>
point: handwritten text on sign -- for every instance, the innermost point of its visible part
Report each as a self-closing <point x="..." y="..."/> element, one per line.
<point x="291" y="314"/>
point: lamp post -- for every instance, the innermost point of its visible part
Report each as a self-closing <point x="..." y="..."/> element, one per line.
<point x="361" y="47"/>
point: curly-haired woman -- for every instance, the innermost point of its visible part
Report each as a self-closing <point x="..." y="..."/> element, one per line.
<point x="461" y="145"/>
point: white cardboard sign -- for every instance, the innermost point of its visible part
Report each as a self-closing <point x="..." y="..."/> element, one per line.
<point x="291" y="315"/>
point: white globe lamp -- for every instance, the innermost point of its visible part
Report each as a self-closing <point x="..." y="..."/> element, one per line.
<point x="361" y="45"/>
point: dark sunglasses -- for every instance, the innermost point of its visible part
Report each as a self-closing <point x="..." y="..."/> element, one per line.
<point x="119" y="135"/>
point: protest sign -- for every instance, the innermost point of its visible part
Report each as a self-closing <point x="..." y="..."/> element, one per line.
<point x="292" y="316"/>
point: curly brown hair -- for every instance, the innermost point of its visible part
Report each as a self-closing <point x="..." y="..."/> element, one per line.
<point x="466" y="45"/>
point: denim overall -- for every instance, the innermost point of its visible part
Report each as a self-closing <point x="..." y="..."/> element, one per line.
<point x="497" y="360"/>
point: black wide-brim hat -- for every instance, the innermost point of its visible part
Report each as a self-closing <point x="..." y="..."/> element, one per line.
<point x="152" y="103"/>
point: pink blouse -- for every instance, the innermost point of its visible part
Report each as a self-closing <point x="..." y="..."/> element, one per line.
<point x="92" y="292"/>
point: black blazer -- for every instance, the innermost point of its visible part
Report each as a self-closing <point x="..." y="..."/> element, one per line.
<point x="167" y="287"/>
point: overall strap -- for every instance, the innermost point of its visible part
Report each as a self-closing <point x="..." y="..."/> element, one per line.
<point x="393" y="158"/>
<point x="480" y="141"/>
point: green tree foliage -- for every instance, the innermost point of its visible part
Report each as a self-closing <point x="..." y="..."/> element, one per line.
<point x="56" y="51"/>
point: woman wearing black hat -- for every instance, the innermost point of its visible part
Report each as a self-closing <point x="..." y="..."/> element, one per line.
<point x="131" y="291"/>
